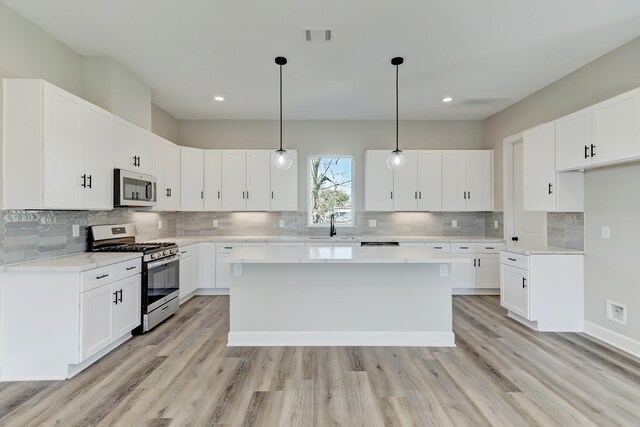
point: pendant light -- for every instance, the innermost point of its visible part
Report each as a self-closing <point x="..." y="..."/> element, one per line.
<point x="396" y="159"/>
<point x="281" y="159"/>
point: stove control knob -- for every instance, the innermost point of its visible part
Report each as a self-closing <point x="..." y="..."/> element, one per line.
<point x="165" y="253"/>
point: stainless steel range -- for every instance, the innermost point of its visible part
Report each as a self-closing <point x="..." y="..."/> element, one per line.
<point x="160" y="270"/>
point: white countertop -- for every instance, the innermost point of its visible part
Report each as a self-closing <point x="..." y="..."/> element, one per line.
<point x="188" y="240"/>
<point x="541" y="250"/>
<point x="72" y="263"/>
<point x="304" y="255"/>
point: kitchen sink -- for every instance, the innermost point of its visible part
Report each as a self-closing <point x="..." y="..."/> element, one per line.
<point x="332" y="238"/>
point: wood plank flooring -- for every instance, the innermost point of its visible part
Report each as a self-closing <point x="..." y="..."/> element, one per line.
<point x="500" y="373"/>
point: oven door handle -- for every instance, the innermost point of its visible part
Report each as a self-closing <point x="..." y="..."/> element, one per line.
<point x="162" y="262"/>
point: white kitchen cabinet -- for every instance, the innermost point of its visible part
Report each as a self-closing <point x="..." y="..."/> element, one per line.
<point x="57" y="149"/>
<point x="207" y="265"/>
<point x="81" y="316"/>
<point x="429" y="180"/>
<point x="172" y="177"/>
<point x="482" y="272"/>
<point x="378" y="182"/>
<point x="223" y="270"/>
<point x="186" y="285"/>
<point x="258" y="180"/>
<point x="97" y="316"/>
<point x="514" y="295"/>
<point x="158" y="170"/>
<point x="487" y="271"/>
<point x="128" y="308"/>
<point x="573" y="140"/>
<point x="463" y="276"/>
<point x="132" y="149"/>
<point x="467" y="180"/>
<point x="545" y="290"/>
<point x="191" y="179"/>
<point x="544" y="189"/>
<point x="233" y="180"/>
<point x="616" y="129"/>
<point x="405" y="184"/>
<point x="212" y="180"/>
<point x="284" y="186"/>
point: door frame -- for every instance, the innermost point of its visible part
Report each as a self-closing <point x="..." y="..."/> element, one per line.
<point x="507" y="186"/>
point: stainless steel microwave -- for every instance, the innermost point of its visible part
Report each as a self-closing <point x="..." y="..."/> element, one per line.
<point x="133" y="189"/>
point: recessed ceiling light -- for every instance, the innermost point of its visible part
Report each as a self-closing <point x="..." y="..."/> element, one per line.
<point x="447" y="99"/>
<point x="218" y="98"/>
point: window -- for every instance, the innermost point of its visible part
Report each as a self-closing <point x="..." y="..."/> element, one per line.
<point x="330" y="186"/>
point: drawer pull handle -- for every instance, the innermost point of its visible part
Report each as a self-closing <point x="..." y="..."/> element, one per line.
<point x="489" y="247"/>
<point x="228" y="247"/>
<point x="512" y="259"/>
<point x="464" y="247"/>
<point x="102" y="276"/>
<point x="183" y="252"/>
<point x="131" y="268"/>
<point x="165" y="308"/>
<point x="437" y="247"/>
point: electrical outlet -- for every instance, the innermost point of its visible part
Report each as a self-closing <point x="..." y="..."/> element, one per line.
<point x="617" y="312"/>
<point x="373" y="223"/>
<point x="159" y="225"/>
<point x="75" y="230"/>
<point x="606" y="232"/>
<point x="454" y="223"/>
<point x="495" y="224"/>
<point x="237" y="269"/>
<point x="444" y="270"/>
<point x="215" y="223"/>
<point x="281" y="222"/>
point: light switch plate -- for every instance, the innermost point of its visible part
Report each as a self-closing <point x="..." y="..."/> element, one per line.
<point x="444" y="270"/>
<point x="75" y="230"/>
<point x="159" y="225"/>
<point x="281" y="222"/>
<point x="606" y="232"/>
<point x="495" y="224"/>
<point x="237" y="269"/>
<point x="454" y="223"/>
<point x="373" y="223"/>
<point x="215" y="223"/>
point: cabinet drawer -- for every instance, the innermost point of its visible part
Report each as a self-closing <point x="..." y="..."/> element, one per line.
<point x="97" y="277"/>
<point x="286" y="244"/>
<point x="128" y="269"/>
<point x="463" y="248"/>
<point x="489" y="248"/>
<point x="226" y="248"/>
<point x="255" y="245"/>
<point x="186" y="251"/>
<point x="411" y="245"/>
<point x="445" y="247"/>
<point x="514" y="260"/>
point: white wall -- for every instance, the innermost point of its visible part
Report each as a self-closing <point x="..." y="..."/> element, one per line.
<point x="330" y="137"/>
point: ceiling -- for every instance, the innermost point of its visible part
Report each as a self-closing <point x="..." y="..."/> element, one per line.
<point x="190" y="50"/>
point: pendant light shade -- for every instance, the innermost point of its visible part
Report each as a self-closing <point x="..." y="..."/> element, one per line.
<point x="396" y="159"/>
<point x="281" y="159"/>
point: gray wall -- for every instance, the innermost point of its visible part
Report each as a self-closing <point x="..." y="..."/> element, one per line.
<point x="163" y="124"/>
<point x="610" y="193"/>
<point x="611" y="270"/>
<point x="330" y="137"/>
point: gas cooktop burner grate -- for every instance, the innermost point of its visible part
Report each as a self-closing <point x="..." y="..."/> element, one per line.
<point x="134" y="247"/>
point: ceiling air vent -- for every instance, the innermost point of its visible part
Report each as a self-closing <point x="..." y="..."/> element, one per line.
<point x="482" y="102"/>
<point x="317" y="35"/>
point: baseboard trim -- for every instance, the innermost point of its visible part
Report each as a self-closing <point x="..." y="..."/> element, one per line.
<point x="212" y="291"/>
<point x="526" y="322"/>
<point x="341" y="339"/>
<point x="475" y="291"/>
<point x="613" y="338"/>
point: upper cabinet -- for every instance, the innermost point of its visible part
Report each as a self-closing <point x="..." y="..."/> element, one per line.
<point x="544" y="189"/>
<point x="467" y="180"/>
<point x="132" y="147"/>
<point x="57" y="149"/>
<point x="284" y="186"/>
<point x="212" y="180"/>
<point x="191" y="179"/>
<point x="171" y="177"/>
<point x="431" y="180"/>
<point x="258" y="180"/>
<point x="603" y="134"/>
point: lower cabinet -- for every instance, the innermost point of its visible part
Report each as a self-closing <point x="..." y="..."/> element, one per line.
<point x="543" y="291"/>
<point x="223" y="270"/>
<point x="207" y="265"/>
<point x="108" y="313"/>
<point x="483" y="270"/>
<point x="189" y="274"/>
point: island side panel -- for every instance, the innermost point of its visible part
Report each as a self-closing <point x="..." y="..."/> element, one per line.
<point x="341" y="304"/>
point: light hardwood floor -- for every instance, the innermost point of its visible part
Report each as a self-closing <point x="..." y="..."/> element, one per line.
<point x="500" y="373"/>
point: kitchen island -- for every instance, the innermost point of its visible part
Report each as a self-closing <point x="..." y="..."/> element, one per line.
<point x="341" y="296"/>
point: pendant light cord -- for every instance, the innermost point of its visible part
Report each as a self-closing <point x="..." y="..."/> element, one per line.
<point x="280" y="107"/>
<point x="397" y="120"/>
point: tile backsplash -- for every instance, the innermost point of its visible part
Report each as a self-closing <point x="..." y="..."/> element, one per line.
<point x="28" y="235"/>
<point x="295" y="223"/>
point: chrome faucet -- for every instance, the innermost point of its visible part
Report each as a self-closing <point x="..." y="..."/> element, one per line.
<point x="332" y="230"/>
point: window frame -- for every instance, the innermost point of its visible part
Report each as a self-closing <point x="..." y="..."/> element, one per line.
<point x="353" y="187"/>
